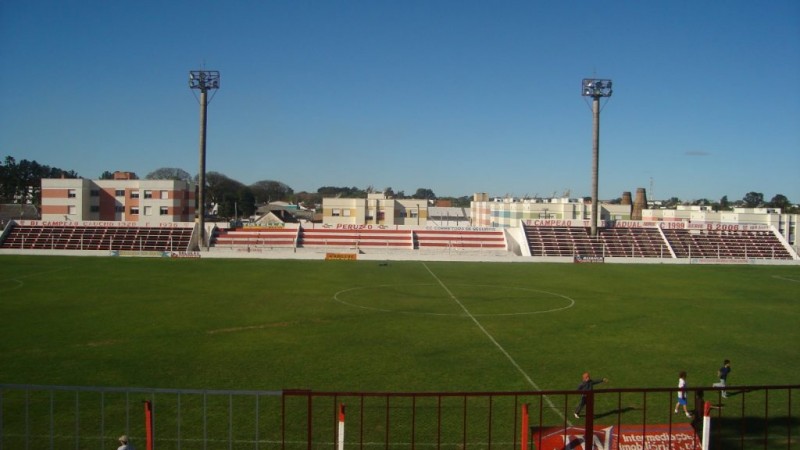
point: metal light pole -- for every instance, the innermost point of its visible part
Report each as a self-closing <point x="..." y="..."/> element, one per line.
<point x="203" y="80"/>
<point x="595" y="88"/>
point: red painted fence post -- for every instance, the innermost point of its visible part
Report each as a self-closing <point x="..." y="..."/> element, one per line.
<point x="148" y="424"/>
<point x="524" y="438"/>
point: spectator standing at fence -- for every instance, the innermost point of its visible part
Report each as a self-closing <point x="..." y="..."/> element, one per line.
<point x="124" y="444"/>
<point x="682" y="400"/>
<point x="587" y="384"/>
<point x="722" y="373"/>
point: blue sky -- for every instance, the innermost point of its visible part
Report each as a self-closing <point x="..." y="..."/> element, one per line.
<point x="455" y="96"/>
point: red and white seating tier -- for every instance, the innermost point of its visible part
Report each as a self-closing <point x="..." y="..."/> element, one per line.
<point x="384" y="237"/>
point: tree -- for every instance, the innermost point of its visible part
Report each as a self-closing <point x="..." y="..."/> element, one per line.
<point x="233" y="198"/>
<point x="780" y="201"/>
<point x="224" y="192"/>
<point x="266" y="191"/>
<point x="423" y="193"/>
<point x="753" y="200"/>
<point x="22" y="182"/>
<point x="246" y="202"/>
<point x="462" y="202"/>
<point x="344" y="192"/>
<point x="724" y="204"/>
<point x="458" y="202"/>
<point x="107" y="175"/>
<point x="308" y="200"/>
<point x="227" y="206"/>
<point x="169" y="173"/>
<point x="672" y="202"/>
<point x="8" y="180"/>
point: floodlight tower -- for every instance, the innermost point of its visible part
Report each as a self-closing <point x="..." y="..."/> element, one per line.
<point x="595" y="88"/>
<point x="204" y="81"/>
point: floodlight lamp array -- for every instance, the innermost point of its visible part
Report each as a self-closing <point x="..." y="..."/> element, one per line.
<point x="591" y="87"/>
<point x="204" y="79"/>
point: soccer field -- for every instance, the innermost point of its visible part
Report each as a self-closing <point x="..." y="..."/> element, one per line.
<point x="396" y="326"/>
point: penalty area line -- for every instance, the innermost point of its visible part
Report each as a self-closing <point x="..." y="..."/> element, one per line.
<point x="494" y="341"/>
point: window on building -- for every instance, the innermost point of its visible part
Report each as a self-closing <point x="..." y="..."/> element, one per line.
<point x="94" y="192"/>
<point x="73" y="210"/>
<point x="94" y="209"/>
<point x="148" y="194"/>
<point x="148" y="210"/>
<point x="346" y="212"/>
<point x="336" y="212"/>
<point x="119" y="209"/>
<point x="119" y="193"/>
<point x="164" y="195"/>
<point x="412" y="212"/>
<point x="134" y="210"/>
<point x="163" y="211"/>
<point x="134" y="194"/>
<point x="71" y="193"/>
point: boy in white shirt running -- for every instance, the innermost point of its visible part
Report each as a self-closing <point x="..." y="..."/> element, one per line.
<point x="682" y="394"/>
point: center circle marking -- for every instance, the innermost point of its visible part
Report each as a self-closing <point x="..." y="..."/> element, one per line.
<point x="565" y="302"/>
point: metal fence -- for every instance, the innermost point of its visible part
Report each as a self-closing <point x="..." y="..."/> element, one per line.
<point x="63" y="417"/>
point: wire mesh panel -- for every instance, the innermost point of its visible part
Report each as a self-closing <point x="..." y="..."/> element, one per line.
<point x="63" y="417"/>
<point x="58" y="417"/>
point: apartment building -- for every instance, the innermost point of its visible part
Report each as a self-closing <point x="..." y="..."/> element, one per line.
<point x="123" y="199"/>
<point x="376" y="209"/>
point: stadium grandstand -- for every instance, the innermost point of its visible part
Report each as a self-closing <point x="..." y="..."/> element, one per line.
<point x="149" y="218"/>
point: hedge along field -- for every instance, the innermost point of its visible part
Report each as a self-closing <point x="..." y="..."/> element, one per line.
<point x="393" y="326"/>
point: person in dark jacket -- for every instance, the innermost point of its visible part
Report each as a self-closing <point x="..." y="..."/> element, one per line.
<point x="722" y="373"/>
<point x="586" y="385"/>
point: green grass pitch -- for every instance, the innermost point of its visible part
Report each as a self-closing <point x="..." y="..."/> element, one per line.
<point x="396" y="326"/>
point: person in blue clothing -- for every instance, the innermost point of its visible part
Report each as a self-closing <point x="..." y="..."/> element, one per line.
<point x="722" y="373"/>
<point x="587" y="384"/>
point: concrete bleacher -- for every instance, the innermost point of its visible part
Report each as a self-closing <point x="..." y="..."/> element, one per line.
<point x="255" y="237"/>
<point x="356" y="238"/>
<point x="460" y="239"/>
<point x="724" y="244"/>
<point x="653" y="242"/>
<point x="688" y="241"/>
<point x="40" y="236"/>
<point x="634" y="243"/>
<point x="562" y="241"/>
<point x="337" y="238"/>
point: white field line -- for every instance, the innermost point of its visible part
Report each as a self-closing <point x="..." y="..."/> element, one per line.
<point x="785" y="279"/>
<point x="19" y="283"/>
<point x="497" y="344"/>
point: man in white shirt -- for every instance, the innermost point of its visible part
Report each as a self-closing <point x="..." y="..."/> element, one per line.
<point x="123" y="443"/>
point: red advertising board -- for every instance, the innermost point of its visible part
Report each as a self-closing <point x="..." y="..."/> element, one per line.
<point x="679" y="436"/>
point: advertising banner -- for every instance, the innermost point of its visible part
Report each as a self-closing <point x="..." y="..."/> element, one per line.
<point x="678" y="436"/>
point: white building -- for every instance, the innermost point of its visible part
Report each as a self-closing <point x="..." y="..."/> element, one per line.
<point x="376" y="209"/>
<point x="508" y="212"/>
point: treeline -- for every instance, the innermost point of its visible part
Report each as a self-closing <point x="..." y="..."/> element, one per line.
<point x="20" y="182"/>
<point x="750" y="200"/>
